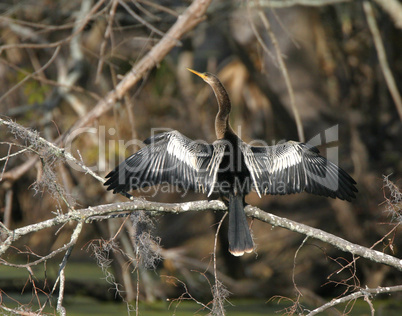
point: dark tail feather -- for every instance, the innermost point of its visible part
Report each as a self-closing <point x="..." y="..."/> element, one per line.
<point x="240" y="240"/>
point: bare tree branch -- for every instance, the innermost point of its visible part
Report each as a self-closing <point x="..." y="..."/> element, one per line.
<point x="394" y="9"/>
<point x="338" y="242"/>
<point x="192" y="16"/>
<point x="382" y="57"/>
<point x="140" y="19"/>
<point x="154" y="208"/>
<point x="19" y="84"/>
<point x="285" y="74"/>
<point x="16" y="312"/>
<point x="79" y="29"/>
<point x="40" y="141"/>
<point x="291" y="3"/>
<point x="219" y="292"/>
<point x="355" y="295"/>
<point x="60" y="309"/>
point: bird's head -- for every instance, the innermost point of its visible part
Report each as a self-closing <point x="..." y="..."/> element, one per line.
<point x="206" y="76"/>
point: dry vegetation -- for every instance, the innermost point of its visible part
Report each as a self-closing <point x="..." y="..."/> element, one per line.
<point x="83" y="82"/>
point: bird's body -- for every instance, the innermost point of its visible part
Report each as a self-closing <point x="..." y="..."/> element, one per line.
<point x="233" y="184"/>
<point x="232" y="168"/>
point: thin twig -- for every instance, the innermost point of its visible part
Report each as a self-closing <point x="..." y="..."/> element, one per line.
<point x="13" y="311"/>
<point x="108" y="34"/>
<point x="61" y="276"/>
<point x="285" y="73"/>
<point x="218" y="297"/>
<point x="83" y="23"/>
<point x="259" y="38"/>
<point x="42" y="259"/>
<point x="367" y="299"/>
<point x="59" y="152"/>
<point x="294" y="266"/>
<point x="291" y="3"/>
<point x="375" y="244"/>
<point x="8" y="201"/>
<point x="40" y="70"/>
<point x="12" y="155"/>
<point x="159" y="7"/>
<point x="6" y="158"/>
<point x="216" y="244"/>
<point x="140" y="19"/>
<point x="46" y="27"/>
<point x="50" y="82"/>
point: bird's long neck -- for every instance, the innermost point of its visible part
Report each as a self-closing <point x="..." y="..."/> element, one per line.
<point x="222" y="125"/>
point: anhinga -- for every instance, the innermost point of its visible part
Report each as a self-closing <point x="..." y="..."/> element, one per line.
<point x="232" y="168"/>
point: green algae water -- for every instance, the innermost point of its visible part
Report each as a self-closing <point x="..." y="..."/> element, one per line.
<point x="82" y="304"/>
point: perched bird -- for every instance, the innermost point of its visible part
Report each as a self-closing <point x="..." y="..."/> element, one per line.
<point x="230" y="167"/>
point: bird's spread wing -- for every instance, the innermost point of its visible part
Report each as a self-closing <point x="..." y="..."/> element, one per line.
<point x="294" y="167"/>
<point x="169" y="158"/>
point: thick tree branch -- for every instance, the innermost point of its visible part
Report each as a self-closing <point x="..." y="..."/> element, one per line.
<point x="319" y="234"/>
<point x="154" y="208"/>
<point x="394" y="9"/>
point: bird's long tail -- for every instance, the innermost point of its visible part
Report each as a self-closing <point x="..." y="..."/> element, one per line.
<point x="240" y="240"/>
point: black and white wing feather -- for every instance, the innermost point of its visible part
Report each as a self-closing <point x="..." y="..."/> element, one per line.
<point x="294" y="167"/>
<point x="169" y="158"/>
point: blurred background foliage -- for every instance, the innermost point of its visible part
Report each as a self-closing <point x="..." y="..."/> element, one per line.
<point x="336" y="78"/>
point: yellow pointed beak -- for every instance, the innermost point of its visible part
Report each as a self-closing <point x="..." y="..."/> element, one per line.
<point x="203" y="76"/>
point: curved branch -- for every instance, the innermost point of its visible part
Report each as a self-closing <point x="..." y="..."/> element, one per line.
<point x="355" y="295"/>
